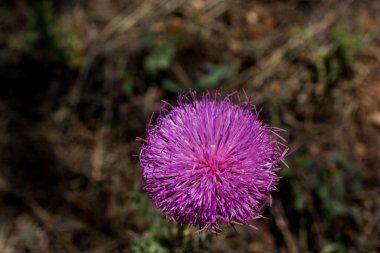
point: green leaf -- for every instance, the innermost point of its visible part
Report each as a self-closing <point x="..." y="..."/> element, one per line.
<point x="148" y="244"/>
<point x="341" y="161"/>
<point x="212" y="78"/>
<point x="172" y="86"/>
<point x="148" y="40"/>
<point x="128" y="84"/>
<point x="337" y="208"/>
<point x="322" y="191"/>
<point x="160" y="58"/>
<point x="339" y="186"/>
<point x="356" y="216"/>
<point x="300" y="198"/>
<point x="305" y="163"/>
<point x="284" y="171"/>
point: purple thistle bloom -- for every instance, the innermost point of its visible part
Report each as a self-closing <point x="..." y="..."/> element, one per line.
<point x="209" y="161"/>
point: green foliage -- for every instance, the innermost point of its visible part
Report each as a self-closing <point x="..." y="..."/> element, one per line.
<point x="159" y="236"/>
<point x="127" y="84"/>
<point x="213" y="77"/>
<point x="342" y="161"/>
<point x="195" y="243"/>
<point x="206" y="81"/>
<point x="47" y="41"/>
<point x="159" y="58"/>
<point x="147" y="244"/>
<point x="334" y="247"/>
<point x="326" y="187"/>
<point x="305" y="163"/>
<point x="171" y="86"/>
<point x="301" y="198"/>
<point x="335" y="60"/>
<point x="340" y="58"/>
<point x="335" y="187"/>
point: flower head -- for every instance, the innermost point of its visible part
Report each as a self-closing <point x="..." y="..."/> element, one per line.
<point x="210" y="161"/>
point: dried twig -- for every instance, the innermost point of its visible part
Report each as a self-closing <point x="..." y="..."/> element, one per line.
<point x="268" y="65"/>
<point x="50" y="225"/>
<point x="369" y="228"/>
<point x="281" y="222"/>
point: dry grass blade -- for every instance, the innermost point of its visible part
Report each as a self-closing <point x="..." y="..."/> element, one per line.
<point x="51" y="225"/>
<point x="145" y="11"/>
<point x="283" y="225"/>
<point x="5" y="231"/>
<point x="268" y="65"/>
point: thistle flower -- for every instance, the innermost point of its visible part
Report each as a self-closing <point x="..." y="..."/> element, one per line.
<point x="210" y="161"/>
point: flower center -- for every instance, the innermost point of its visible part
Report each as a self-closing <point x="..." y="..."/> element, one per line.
<point x="213" y="165"/>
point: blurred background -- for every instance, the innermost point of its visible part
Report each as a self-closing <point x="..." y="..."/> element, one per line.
<point x="79" y="80"/>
